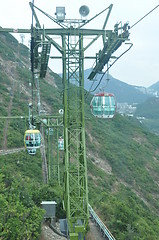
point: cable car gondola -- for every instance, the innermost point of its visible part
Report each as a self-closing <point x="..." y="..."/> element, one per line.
<point x="61" y="143"/>
<point x="103" y="105"/>
<point x="32" y="140"/>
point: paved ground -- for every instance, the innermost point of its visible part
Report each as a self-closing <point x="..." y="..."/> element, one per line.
<point x="48" y="234"/>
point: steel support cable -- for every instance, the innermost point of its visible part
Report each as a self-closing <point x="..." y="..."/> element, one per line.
<point x="107" y="79"/>
<point x="90" y="91"/>
<point x="32" y="59"/>
<point x="144" y="17"/>
<point x="121" y="54"/>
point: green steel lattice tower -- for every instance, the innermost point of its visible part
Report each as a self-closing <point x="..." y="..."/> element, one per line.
<point x="75" y="178"/>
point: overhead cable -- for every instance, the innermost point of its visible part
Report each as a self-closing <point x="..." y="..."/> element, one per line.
<point x="144" y="16"/>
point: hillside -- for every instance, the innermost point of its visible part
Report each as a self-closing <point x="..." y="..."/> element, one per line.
<point x="123" y="91"/>
<point x="123" y="159"/>
<point x="150" y="112"/>
<point x="155" y="86"/>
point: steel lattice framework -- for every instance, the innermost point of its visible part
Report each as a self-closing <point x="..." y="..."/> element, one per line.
<point x="76" y="190"/>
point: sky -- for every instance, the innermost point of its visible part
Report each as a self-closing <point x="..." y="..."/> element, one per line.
<point x="139" y="66"/>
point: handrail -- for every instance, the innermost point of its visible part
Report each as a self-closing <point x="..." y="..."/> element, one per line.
<point x="102" y="226"/>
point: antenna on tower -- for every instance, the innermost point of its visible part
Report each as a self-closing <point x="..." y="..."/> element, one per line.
<point x="22" y="38"/>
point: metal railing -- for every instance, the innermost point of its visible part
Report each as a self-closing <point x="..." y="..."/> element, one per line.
<point x="101" y="225"/>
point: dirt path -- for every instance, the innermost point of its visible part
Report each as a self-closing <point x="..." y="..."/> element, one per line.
<point x="11" y="150"/>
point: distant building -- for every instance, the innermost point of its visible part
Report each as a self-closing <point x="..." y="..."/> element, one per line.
<point x="126" y="109"/>
<point x="149" y="91"/>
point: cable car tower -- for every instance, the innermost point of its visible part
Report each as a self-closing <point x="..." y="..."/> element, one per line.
<point x="72" y="49"/>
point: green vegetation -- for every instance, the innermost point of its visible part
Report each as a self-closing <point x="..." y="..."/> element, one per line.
<point x="149" y="110"/>
<point x="125" y="214"/>
<point x="20" y="216"/>
<point x="21" y="193"/>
